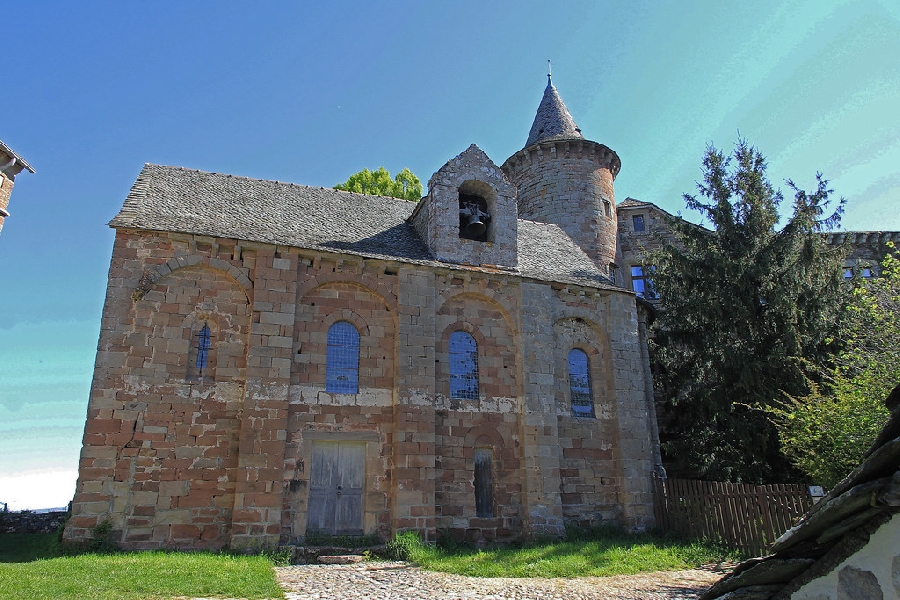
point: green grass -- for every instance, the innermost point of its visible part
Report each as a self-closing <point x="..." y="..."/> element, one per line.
<point x="125" y="576"/>
<point x="602" y="554"/>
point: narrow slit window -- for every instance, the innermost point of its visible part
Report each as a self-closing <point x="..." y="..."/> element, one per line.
<point x="580" y="384"/>
<point x="463" y="366"/>
<point x="204" y="338"/>
<point x="484" y="483"/>
<point x="342" y="362"/>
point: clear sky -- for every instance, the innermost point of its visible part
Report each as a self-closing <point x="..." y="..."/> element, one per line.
<point x="312" y="92"/>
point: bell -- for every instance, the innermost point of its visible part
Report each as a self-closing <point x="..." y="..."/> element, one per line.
<point x="475" y="227"/>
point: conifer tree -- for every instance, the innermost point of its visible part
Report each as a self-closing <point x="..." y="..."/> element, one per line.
<point x="750" y="311"/>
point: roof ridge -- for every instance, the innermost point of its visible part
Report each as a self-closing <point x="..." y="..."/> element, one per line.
<point x="276" y="181"/>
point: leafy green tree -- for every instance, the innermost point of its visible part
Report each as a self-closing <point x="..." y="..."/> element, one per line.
<point x="750" y="312"/>
<point x="379" y="183"/>
<point x="826" y="433"/>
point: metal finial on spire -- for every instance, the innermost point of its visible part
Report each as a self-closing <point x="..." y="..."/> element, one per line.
<point x="549" y="72"/>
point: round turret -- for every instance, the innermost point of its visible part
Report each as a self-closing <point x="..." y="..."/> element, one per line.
<point x="564" y="179"/>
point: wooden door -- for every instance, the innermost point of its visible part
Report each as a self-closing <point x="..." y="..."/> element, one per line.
<point x="336" y="481"/>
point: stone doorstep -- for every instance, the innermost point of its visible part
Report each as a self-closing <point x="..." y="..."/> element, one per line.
<point x="332" y="555"/>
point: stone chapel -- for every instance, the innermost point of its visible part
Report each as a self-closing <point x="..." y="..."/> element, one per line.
<point x="277" y="361"/>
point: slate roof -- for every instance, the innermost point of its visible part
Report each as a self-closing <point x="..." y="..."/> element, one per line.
<point x="19" y="159"/>
<point x="833" y="529"/>
<point x="188" y="201"/>
<point x="553" y="121"/>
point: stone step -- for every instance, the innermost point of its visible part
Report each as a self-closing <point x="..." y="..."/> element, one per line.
<point x="345" y="559"/>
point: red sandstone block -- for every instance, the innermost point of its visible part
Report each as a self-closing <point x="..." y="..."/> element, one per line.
<point x="245" y="515"/>
<point x="194" y="500"/>
<point x="262" y="500"/>
<point x="185" y="532"/>
<point x="571" y="498"/>
<point x="103" y="426"/>
<point x="95" y="473"/>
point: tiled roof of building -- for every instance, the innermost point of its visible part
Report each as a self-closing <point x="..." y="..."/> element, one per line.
<point x="553" y="121"/>
<point x="19" y="159"/>
<point x="188" y="201"/>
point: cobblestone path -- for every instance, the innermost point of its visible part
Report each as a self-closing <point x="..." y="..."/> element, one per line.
<point x="400" y="581"/>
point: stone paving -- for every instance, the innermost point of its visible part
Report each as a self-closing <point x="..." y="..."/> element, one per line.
<point x="401" y="581"/>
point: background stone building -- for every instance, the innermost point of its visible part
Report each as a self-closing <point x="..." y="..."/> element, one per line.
<point x="277" y="360"/>
<point x="643" y="227"/>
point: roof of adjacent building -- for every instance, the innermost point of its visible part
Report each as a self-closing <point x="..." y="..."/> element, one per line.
<point x="19" y="159"/>
<point x="832" y="530"/>
<point x="197" y="202"/>
<point x="553" y="121"/>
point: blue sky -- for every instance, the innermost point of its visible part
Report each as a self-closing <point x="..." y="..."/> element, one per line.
<point x="313" y="92"/>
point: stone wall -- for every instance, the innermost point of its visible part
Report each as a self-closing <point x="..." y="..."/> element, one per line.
<point x="6" y="186"/>
<point x="179" y="456"/>
<point x="31" y="522"/>
<point x="159" y="453"/>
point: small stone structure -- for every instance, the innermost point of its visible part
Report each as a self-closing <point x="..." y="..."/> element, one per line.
<point x="11" y="164"/>
<point x="277" y="360"/>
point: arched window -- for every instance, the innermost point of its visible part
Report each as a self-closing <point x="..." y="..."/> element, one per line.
<point x="342" y="362"/>
<point x="463" y="366"/>
<point x="580" y="384"/>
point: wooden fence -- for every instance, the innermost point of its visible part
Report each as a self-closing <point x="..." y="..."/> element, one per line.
<point x="741" y="516"/>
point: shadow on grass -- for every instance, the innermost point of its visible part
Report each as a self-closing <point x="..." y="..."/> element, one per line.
<point x="28" y="547"/>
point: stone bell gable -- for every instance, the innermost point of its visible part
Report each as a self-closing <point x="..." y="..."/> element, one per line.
<point x="469" y="215"/>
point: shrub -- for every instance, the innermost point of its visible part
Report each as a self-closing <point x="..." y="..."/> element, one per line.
<point x="403" y="546"/>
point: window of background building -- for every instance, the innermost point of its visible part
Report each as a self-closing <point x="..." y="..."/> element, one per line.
<point x="861" y="270"/>
<point x="342" y="362"/>
<point x="580" y="384"/>
<point x="463" y="366"/>
<point x="640" y="282"/>
<point x="638" y="222"/>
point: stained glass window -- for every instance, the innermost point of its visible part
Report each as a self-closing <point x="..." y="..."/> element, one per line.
<point x="580" y="384"/>
<point x="463" y="366"/>
<point x="342" y="366"/>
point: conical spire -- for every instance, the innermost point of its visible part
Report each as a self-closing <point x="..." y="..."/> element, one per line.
<point x="553" y="121"/>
